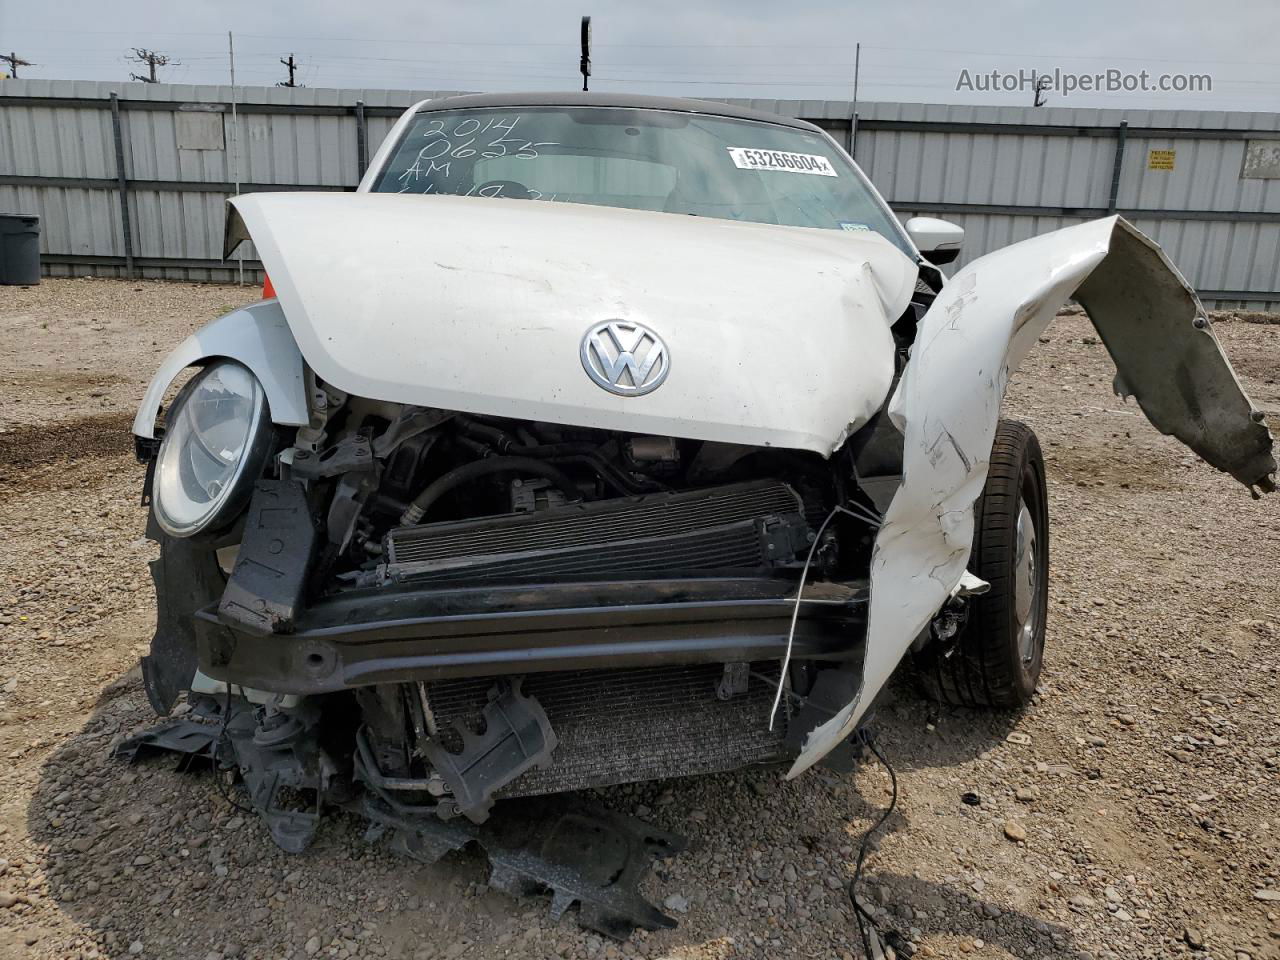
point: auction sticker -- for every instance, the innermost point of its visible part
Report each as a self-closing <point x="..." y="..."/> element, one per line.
<point x="748" y="158"/>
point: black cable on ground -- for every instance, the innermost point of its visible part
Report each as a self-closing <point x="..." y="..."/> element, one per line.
<point x="860" y="913"/>
<point x="217" y="752"/>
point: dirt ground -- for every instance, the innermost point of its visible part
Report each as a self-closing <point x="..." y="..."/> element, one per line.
<point x="1146" y="777"/>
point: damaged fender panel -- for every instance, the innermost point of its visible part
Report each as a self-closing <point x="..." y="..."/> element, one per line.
<point x="948" y="403"/>
<point x="256" y="336"/>
<point x="1171" y="361"/>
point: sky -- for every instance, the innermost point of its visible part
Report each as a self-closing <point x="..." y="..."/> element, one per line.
<point x="910" y="51"/>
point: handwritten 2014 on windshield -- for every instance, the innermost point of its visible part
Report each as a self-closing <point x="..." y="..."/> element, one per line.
<point x="461" y="140"/>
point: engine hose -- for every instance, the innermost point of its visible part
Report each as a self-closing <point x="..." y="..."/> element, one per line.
<point x="494" y="435"/>
<point x="507" y="445"/>
<point x="612" y="475"/>
<point x="455" y="478"/>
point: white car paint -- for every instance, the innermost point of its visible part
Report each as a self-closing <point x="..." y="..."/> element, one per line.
<point x="948" y="402"/>
<point x="777" y="336"/>
<point x="256" y="336"/>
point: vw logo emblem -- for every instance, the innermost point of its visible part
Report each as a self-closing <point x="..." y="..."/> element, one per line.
<point x="625" y="358"/>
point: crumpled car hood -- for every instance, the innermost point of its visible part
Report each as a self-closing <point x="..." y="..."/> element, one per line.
<point x="774" y="335"/>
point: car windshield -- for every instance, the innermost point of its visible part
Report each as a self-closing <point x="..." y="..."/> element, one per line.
<point x="639" y="159"/>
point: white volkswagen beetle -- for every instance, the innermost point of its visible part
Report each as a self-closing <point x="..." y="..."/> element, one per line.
<point x="606" y="438"/>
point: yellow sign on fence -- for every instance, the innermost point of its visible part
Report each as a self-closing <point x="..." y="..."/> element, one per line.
<point x="1160" y="159"/>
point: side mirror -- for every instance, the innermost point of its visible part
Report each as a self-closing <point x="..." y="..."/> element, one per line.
<point x="939" y="241"/>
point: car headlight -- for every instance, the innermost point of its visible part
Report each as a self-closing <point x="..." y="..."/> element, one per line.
<point x="216" y="442"/>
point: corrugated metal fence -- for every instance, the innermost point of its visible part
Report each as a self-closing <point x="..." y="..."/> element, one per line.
<point x="1206" y="185"/>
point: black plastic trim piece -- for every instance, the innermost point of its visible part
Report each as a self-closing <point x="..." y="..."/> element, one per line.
<point x="517" y="735"/>
<point x="265" y="591"/>
<point x="186" y="577"/>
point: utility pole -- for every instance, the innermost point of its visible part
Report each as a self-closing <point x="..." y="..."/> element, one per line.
<point x="152" y="60"/>
<point x="1042" y="84"/>
<point x="853" y="112"/>
<point x="14" y="61"/>
<point x="235" y="141"/>
<point x="857" y="64"/>
<point x="291" y="67"/>
<point x="584" y="64"/>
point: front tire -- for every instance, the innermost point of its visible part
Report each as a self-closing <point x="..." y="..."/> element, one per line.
<point x="994" y="661"/>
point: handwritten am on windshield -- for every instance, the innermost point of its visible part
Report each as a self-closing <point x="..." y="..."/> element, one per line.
<point x="464" y="140"/>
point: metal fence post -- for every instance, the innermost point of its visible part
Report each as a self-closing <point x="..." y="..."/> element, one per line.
<point x="1116" y="165"/>
<point x="122" y="185"/>
<point x="362" y="140"/>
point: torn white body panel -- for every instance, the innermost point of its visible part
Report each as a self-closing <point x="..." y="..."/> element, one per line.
<point x="774" y="335"/>
<point x="948" y="402"/>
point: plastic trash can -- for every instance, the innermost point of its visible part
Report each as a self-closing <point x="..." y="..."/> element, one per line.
<point x="19" y="249"/>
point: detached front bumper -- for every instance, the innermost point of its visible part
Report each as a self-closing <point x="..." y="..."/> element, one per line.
<point x="396" y="635"/>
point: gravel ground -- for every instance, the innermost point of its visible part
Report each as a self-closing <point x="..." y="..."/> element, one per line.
<point x="1133" y="810"/>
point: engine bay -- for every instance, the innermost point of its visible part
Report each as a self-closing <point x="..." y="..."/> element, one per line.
<point x="409" y="494"/>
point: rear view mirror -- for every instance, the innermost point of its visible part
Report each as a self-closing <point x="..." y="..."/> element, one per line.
<point x="939" y="241"/>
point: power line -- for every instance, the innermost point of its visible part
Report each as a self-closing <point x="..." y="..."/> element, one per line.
<point x="637" y="71"/>
<point x="152" y="60"/>
<point x="909" y="70"/>
<point x="1023" y="54"/>
<point x="1190" y="60"/>
<point x="14" y="61"/>
<point x="646" y="69"/>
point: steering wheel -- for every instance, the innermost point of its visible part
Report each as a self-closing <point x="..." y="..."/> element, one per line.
<point x="507" y="190"/>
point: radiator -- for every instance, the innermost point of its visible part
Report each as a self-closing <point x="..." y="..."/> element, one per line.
<point x="622" y="726"/>
<point x="744" y="527"/>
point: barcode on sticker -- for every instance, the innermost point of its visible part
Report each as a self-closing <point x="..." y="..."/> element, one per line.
<point x="748" y="158"/>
